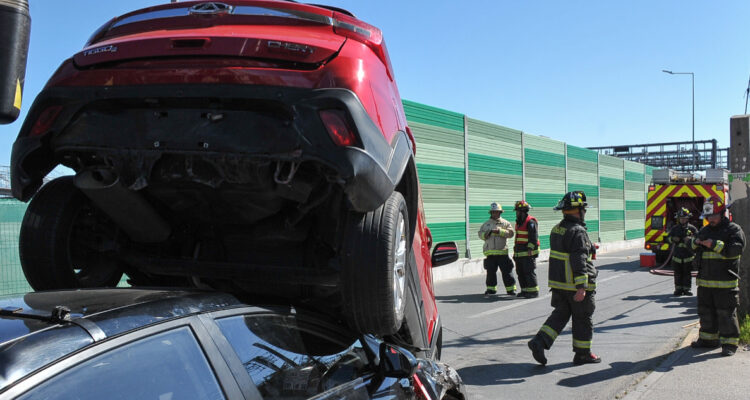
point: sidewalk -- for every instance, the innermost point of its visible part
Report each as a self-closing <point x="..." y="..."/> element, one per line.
<point x="689" y="374"/>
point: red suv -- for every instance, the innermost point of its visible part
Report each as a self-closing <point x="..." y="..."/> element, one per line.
<point x="254" y="147"/>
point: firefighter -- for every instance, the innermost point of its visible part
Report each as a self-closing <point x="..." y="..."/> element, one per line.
<point x="718" y="248"/>
<point x="495" y="233"/>
<point x="572" y="281"/>
<point x="526" y="250"/>
<point x="682" y="258"/>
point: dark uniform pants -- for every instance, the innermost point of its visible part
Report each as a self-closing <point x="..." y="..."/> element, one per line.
<point x="492" y="263"/>
<point x="565" y="308"/>
<point x="682" y="277"/>
<point x="526" y="270"/>
<point x="717" y="309"/>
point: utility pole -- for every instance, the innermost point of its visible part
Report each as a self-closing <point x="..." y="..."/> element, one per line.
<point x="747" y="93"/>
<point x="692" y="83"/>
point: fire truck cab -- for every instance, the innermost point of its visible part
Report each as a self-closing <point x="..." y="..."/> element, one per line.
<point x="671" y="190"/>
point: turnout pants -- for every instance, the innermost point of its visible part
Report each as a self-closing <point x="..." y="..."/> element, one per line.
<point x="565" y="308"/>
<point x="526" y="270"/>
<point x="682" y="277"/>
<point x="717" y="309"/>
<point x="491" y="264"/>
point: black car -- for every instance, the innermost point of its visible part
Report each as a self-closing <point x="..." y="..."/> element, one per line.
<point x="188" y="344"/>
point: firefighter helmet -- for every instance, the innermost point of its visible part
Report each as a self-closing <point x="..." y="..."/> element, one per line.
<point x="496" y="207"/>
<point x="683" y="213"/>
<point x="713" y="206"/>
<point x="575" y="199"/>
<point x="522" y="205"/>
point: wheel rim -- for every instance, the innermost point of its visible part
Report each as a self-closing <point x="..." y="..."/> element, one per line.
<point x="399" y="269"/>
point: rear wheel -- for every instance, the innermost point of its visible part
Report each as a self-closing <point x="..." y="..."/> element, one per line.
<point x="374" y="267"/>
<point x="66" y="242"/>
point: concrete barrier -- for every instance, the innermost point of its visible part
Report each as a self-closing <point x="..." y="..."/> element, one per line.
<point x="470" y="267"/>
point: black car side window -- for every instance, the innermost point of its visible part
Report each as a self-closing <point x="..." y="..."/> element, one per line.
<point x="290" y="359"/>
<point x="169" y="365"/>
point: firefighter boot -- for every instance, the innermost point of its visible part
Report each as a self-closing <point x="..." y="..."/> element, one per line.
<point x="708" y="344"/>
<point x="586" y="358"/>
<point x="727" y="351"/>
<point x="537" y="350"/>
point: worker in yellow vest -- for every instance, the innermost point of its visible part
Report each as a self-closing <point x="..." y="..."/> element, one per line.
<point x="495" y="232"/>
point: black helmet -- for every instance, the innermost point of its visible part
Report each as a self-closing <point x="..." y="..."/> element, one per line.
<point x="683" y="213"/>
<point x="575" y="199"/>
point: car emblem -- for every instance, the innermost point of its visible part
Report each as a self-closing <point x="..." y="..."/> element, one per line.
<point x="102" y="49"/>
<point x="211" y="8"/>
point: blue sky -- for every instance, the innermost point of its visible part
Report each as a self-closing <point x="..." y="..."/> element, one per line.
<point x="584" y="72"/>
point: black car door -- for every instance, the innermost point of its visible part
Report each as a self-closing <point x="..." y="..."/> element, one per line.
<point x="173" y="360"/>
<point x="286" y="356"/>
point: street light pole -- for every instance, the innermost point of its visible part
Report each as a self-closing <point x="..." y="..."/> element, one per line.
<point x="692" y="81"/>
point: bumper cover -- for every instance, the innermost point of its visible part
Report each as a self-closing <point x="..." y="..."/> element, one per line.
<point x="221" y="122"/>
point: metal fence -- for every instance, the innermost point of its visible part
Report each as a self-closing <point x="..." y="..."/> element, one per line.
<point x="12" y="279"/>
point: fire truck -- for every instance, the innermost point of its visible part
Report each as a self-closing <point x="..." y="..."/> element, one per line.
<point x="670" y="191"/>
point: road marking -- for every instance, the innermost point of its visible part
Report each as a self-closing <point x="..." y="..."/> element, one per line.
<point x="521" y="303"/>
<point x="610" y="278"/>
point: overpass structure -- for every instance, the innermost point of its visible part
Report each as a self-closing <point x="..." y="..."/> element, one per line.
<point x="680" y="156"/>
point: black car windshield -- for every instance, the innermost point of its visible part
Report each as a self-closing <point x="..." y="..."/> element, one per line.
<point x="290" y="359"/>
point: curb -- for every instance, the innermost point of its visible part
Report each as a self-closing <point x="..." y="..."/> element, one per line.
<point x="642" y="388"/>
<point x="465" y="267"/>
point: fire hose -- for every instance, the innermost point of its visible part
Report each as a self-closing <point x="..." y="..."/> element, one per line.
<point x="660" y="270"/>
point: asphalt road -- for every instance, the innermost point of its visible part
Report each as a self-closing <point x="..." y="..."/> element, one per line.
<point x="637" y="323"/>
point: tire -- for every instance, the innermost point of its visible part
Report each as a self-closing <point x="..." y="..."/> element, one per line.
<point x="374" y="267"/>
<point x="61" y="238"/>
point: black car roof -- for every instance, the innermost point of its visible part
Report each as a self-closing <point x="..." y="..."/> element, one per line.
<point x="104" y="306"/>
<point x="54" y="324"/>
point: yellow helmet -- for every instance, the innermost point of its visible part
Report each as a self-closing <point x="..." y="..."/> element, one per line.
<point x="496" y="207"/>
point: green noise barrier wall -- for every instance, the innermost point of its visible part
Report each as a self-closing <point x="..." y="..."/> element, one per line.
<point x="544" y="181"/>
<point x="582" y="170"/>
<point x="611" y="199"/>
<point x="495" y="163"/>
<point x="465" y="164"/>
<point x="441" y="168"/>
<point x="635" y="199"/>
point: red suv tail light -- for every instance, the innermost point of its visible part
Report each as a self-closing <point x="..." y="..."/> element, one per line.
<point x="45" y="120"/>
<point x="337" y="127"/>
<point x="350" y="27"/>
